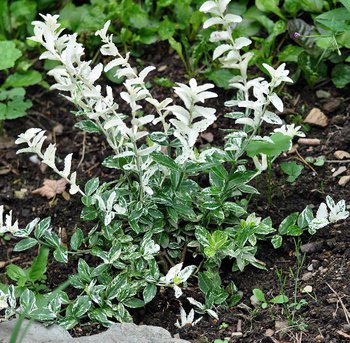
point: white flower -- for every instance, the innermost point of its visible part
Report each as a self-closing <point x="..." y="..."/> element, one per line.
<point x="290" y="130"/>
<point x="176" y="276"/>
<point x="278" y="75"/>
<point x="186" y="319"/>
<point x="7" y="225"/>
<point x="260" y="166"/>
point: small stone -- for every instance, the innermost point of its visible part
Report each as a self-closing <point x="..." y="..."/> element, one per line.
<point x="311" y="247"/>
<point x="344" y="180"/>
<point x="208" y="136"/>
<point x="310" y="268"/>
<point x="341" y="154"/>
<point x="319" y="339"/>
<point x="307" y="276"/>
<point x="236" y="334"/>
<point x="254" y="300"/>
<point x="282" y="328"/>
<point x="332" y="104"/>
<point x="321" y="94"/>
<point x="293" y="149"/>
<point x="269" y="333"/>
<point x="309" y="141"/>
<point x="316" y="117"/>
<point x="34" y="159"/>
<point x="346" y="327"/>
<point x="339" y="171"/>
<point x="21" y="193"/>
<point x="162" y="68"/>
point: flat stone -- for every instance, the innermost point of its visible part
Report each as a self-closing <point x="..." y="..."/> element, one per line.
<point x="126" y="333"/>
<point x="332" y="104"/>
<point x="316" y="117"/>
<point x="339" y="171"/>
<point x="37" y="333"/>
<point x="341" y="154"/>
<point x="321" y="94"/>
<point x="344" y="180"/>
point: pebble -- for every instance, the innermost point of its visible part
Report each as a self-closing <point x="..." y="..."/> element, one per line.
<point x="311" y="247"/>
<point x="341" y="154"/>
<point x="344" y="180"/>
<point x="332" y="104"/>
<point x="316" y="117"/>
<point x="162" y="68"/>
<point x="282" y="328"/>
<point x="307" y="276"/>
<point x="269" y="333"/>
<point x="321" y="94"/>
<point x="339" y="171"/>
<point x="319" y="339"/>
<point x="310" y="268"/>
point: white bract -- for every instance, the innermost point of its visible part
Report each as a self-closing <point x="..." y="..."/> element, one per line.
<point x="6" y="224"/>
<point x="186" y="320"/>
<point x="176" y="276"/>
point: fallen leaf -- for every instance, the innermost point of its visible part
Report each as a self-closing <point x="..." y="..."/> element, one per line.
<point x="51" y="187"/>
<point x="339" y="171"/>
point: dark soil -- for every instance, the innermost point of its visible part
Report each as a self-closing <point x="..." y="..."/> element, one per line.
<point x="326" y="266"/>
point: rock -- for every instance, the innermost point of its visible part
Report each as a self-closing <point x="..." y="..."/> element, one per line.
<point x="37" y="333"/>
<point x="339" y="171"/>
<point x="309" y="141"/>
<point x="208" y="136"/>
<point x="269" y="333"/>
<point x="126" y="333"/>
<point x="341" y="154"/>
<point x="321" y="94"/>
<point x="344" y="180"/>
<point x="162" y="68"/>
<point x="316" y="117"/>
<point x="307" y="276"/>
<point x="282" y="328"/>
<point x="332" y="104"/>
<point x="311" y="247"/>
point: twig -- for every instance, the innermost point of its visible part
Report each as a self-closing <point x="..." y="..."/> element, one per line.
<point x="346" y="312"/>
<point x="305" y="162"/>
<point x="338" y="161"/>
<point x="83" y="151"/>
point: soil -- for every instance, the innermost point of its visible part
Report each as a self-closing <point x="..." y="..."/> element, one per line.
<point x="326" y="266"/>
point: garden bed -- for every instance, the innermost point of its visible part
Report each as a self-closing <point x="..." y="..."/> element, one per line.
<point x="326" y="266"/>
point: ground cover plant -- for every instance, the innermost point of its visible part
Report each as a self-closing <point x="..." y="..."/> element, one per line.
<point x="173" y="212"/>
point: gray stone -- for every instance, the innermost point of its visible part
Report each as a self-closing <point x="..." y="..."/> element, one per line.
<point x="37" y="333"/>
<point x="126" y="333"/>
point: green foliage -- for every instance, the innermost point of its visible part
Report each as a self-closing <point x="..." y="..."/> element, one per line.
<point x="292" y="169"/>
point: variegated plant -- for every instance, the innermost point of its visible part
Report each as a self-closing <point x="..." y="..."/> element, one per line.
<point x="156" y="215"/>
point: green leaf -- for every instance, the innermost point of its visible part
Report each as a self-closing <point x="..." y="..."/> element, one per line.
<point x="16" y="273"/>
<point x="217" y="239"/>
<point x="166" y="29"/>
<point x="305" y="217"/>
<point x="25" y="244"/>
<point x="292" y="169"/>
<point x="204" y="283"/>
<point x="276" y="241"/>
<point x="88" y="213"/>
<point x="341" y="75"/>
<point x="81" y="305"/>
<point x="42" y="227"/>
<point x="92" y="185"/>
<point x="311" y="5"/>
<point x="134" y="303"/>
<point x="280" y="143"/>
<point x="220" y="77"/>
<point x="280" y="299"/>
<point x="269" y="6"/>
<point x="38" y="268"/>
<point x="202" y="235"/>
<point x="210" y="251"/>
<point x="77" y="239"/>
<point x="149" y="292"/>
<point x="287" y="222"/>
<point x="23" y="79"/>
<point x="61" y="254"/>
<point x="290" y="53"/>
<point x="294" y="230"/>
<point x="336" y="20"/>
<point x="14" y="105"/>
<point x="88" y="126"/>
<point x="9" y="54"/>
<point x="165" y="161"/>
<point x="259" y="295"/>
<point x="84" y="271"/>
